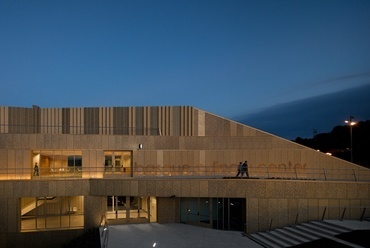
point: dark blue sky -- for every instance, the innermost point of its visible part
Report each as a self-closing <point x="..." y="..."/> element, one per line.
<point x="226" y="57"/>
<point x="322" y="113"/>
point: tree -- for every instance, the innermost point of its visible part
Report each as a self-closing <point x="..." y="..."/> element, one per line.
<point x="337" y="142"/>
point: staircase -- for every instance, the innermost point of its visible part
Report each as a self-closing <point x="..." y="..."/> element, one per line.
<point x="299" y="234"/>
<point x="32" y="205"/>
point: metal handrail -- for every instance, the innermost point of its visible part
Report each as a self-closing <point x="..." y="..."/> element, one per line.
<point x="104" y="231"/>
<point x="339" y="213"/>
<point x="255" y="172"/>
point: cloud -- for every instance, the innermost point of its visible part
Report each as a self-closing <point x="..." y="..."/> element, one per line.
<point x="344" y="78"/>
<point x="348" y="81"/>
<point x="299" y="118"/>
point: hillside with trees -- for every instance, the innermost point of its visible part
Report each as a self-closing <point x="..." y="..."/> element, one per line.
<point x="338" y="143"/>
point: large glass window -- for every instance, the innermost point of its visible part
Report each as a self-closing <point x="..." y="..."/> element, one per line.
<point x="237" y="214"/>
<point x="116" y="207"/>
<point x="57" y="163"/>
<point x="132" y="209"/>
<point x="218" y="213"/>
<point x="228" y="213"/>
<point x="193" y="210"/>
<point x="118" y="162"/>
<point x="42" y="213"/>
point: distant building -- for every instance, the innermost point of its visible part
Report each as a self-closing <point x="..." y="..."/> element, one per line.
<point x="159" y="164"/>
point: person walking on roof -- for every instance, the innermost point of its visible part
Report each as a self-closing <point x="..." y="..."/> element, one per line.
<point x="240" y="170"/>
<point x="245" y="169"/>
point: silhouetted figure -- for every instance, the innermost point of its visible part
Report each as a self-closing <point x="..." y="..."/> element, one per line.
<point x="240" y="170"/>
<point x="36" y="170"/>
<point x="245" y="169"/>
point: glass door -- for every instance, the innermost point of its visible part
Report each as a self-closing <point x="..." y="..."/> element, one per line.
<point x="204" y="212"/>
<point x="116" y="207"/>
<point x="196" y="211"/>
<point x="217" y="213"/>
<point x="193" y="211"/>
<point x="118" y="162"/>
<point x="132" y="209"/>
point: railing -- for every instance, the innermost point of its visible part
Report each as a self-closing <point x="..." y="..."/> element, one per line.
<point x="104" y="232"/>
<point x="256" y="172"/>
<point x="187" y="171"/>
<point x="359" y="213"/>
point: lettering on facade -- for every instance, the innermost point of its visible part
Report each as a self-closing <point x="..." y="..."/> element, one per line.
<point x="284" y="167"/>
<point x="217" y="167"/>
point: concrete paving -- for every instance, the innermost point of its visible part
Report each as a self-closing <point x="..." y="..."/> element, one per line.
<point x="174" y="235"/>
<point x="352" y="224"/>
<point x="181" y="235"/>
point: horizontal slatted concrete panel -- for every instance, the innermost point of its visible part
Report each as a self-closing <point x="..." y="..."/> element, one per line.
<point x="51" y="120"/>
<point x="120" y="120"/>
<point x="91" y="121"/>
<point x="176" y="125"/>
<point x="106" y="121"/>
<point x="4" y="119"/>
<point x="186" y="121"/>
<point x="146" y="118"/>
<point x="154" y="121"/>
<point x="164" y="120"/>
<point x="23" y="120"/>
<point x="66" y="120"/>
<point x="76" y="120"/>
<point x="139" y="120"/>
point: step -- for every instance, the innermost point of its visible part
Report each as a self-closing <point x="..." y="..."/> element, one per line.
<point x="273" y="239"/>
<point x="311" y="232"/>
<point x="331" y="226"/>
<point x="318" y="232"/>
<point x="296" y="238"/>
<point x="263" y="241"/>
<point x="301" y="233"/>
<point x="341" y="224"/>
<point x="283" y="238"/>
<point x="319" y="229"/>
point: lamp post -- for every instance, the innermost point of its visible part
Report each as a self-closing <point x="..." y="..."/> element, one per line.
<point x="350" y="122"/>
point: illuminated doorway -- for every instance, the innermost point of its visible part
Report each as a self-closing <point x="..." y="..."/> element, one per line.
<point x="132" y="209"/>
<point x="118" y="162"/>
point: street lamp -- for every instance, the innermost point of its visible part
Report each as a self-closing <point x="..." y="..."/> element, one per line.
<point x="350" y="122"/>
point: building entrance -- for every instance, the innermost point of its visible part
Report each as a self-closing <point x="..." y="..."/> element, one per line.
<point x="132" y="209"/>
<point x="216" y="213"/>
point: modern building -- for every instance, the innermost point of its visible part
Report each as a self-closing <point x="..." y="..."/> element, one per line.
<point x="159" y="164"/>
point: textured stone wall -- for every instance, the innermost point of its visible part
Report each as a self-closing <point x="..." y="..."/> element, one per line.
<point x="172" y="156"/>
<point x="167" y="210"/>
<point x="12" y="191"/>
<point x="270" y="203"/>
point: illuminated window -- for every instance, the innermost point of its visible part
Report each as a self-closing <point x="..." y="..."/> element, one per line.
<point x="50" y="213"/>
<point x="57" y="163"/>
<point x="117" y="162"/>
<point x="132" y="209"/>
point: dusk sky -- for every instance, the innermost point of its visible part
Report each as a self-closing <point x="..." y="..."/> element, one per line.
<point x="225" y="57"/>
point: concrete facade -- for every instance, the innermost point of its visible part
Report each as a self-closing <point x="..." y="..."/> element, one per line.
<point x="185" y="152"/>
